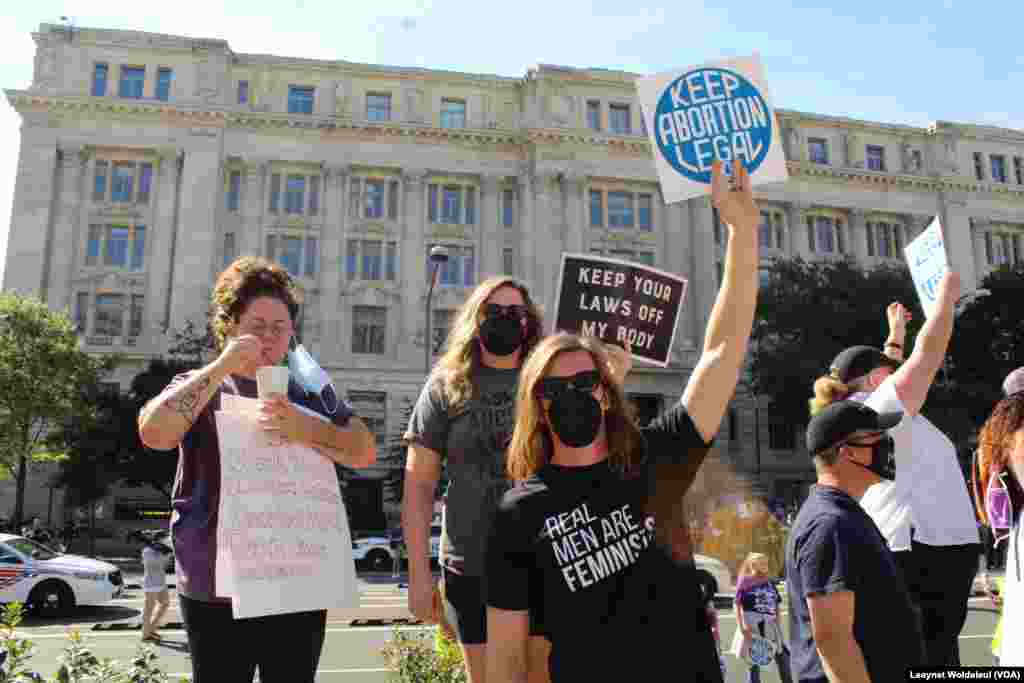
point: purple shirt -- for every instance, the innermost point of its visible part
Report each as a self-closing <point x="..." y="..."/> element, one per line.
<point x="196" y="496"/>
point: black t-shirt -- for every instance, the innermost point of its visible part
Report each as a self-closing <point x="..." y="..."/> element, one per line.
<point x="577" y="544"/>
<point x="835" y="546"/>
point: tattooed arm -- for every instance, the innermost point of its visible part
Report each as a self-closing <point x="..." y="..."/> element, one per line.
<point x="164" y="421"/>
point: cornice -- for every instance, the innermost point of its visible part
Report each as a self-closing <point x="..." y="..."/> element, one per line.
<point x="903" y="181"/>
<point x="26" y="101"/>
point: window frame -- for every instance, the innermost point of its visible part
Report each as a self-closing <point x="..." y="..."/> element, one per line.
<point x="242" y="92"/>
<point x="446" y="114"/>
<point x="593" y="107"/>
<point x="386" y="96"/>
<point x="1002" y="176"/>
<point x="355" y="260"/>
<point x="163" y="87"/>
<point x="368" y="337"/>
<point x="811" y="142"/>
<point x="123" y="80"/>
<point x="879" y="157"/>
<point x="620" y="108"/>
<point x="304" y="95"/>
<point x="273" y="249"/>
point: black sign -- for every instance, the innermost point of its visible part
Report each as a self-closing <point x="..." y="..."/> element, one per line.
<point x="620" y="302"/>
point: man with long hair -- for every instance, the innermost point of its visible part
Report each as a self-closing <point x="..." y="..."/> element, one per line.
<point x="463" y="419"/>
<point x="593" y="534"/>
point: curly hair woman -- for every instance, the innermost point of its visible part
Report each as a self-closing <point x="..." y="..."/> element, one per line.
<point x="464" y="418"/>
<point x="253" y="311"/>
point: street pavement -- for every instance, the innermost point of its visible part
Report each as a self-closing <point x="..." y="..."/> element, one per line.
<point x="354" y="638"/>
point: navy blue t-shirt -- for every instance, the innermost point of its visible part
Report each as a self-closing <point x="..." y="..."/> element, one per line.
<point x="834" y="546"/>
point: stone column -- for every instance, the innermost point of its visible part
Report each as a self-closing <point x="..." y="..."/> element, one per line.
<point x="248" y="241"/>
<point x="66" y="244"/>
<point x="527" y="230"/>
<point x="332" y="265"/>
<point x="162" y="240"/>
<point x="413" y="268"/>
<point x="491" y="240"/>
<point x="704" y="283"/>
<point x="797" y="217"/>
<point x="965" y="249"/>
<point x="547" y="236"/>
<point x="858" y="241"/>
<point x="977" y="258"/>
<point x="679" y="257"/>
<point x="30" y="210"/>
<point x="574" y="186"/>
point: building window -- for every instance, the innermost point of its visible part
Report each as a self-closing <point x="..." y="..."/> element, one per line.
<point x="135" y="315"/>
<point x="447" y="201"/>
<point x="99" y="188"/>
<point x="619" y="119"/>
<point x="275" y="192"/>
<point x="781" y="436"/>
<point x="133" y="80"/>
<point x="884" y="240"/>
<point x="979" y="166"/>
<point x="998" y="168"/>
<point x="109" y="317"/>
<point x="371" y="407"/>
<point x="876" y="158"/>
<point x="393" y="200"/>
<point x="453" y="113"/>
<point x="229" y="249"/>
<point x="508" y="261"/>
<point x="145" y="183"/>
<point x="121" y="183"/>
<point x="163" y="83"/>
<point x="620" y="210"/>
<point x="818" y="149"/>
<point x="508" y="208"/>
<point x="122" y="246"/>
<point x="99" y="80"/>
<point x="234" y="190"/>
<point x="300" y="99"/>
<point x="916" y="163"/>
<point x="243" y="92"/>
<point x="644" y="204"/>
<point x="460" y="268"/>
<point x="370" y="197"/>
<point x="1018" y="170"/>
<point x="440" y="327"/>
<point x="596" y="208"/>
<point x="300" y="256"/>
<point x="594" y="115"/>
<point x="294" y="194"/>
<point x="378" y="107"/>
<point x="375" y="190"/>
<point x="368" y="329"/>
<point x="371" y="260"/>
<point x="314" y="195"/>
<point x="825" y="235"/>
<point x="82" y="312"/>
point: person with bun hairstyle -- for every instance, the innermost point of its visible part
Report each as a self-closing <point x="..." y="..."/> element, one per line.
<point x="998" y="485"/>
<point x="918" y="499"/>
<point x="253" y="310"/>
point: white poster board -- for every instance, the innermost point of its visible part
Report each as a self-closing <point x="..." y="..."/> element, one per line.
<point x="926" y="256"/>
<point x="719" y="110"/>
<point x="283" y="541"/>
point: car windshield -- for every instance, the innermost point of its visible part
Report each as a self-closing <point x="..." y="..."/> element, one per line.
<point x="32" y="549"/>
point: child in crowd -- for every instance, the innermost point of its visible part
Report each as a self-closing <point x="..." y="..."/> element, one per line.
<point x="757" y="619"/>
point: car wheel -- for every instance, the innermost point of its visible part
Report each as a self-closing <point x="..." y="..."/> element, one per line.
<point x="378" y="560"/>
<point x="51" y="599"/>
<point x="708" y="584"/>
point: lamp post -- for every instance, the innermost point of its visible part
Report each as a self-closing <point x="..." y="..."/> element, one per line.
<point x="438" y="256"/>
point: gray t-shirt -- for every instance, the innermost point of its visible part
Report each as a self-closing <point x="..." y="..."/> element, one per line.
<point x="471" y="439"/>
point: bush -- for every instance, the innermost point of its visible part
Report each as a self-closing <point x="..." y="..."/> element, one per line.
<point x="77" y="662"/>
<point x="416" y="659"/>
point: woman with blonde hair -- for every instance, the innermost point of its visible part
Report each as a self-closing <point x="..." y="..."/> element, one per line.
<point x="756" y="606"/>
<point x="918" y="500"/>
<point x="593" y="534"/>
<point x="463" y="420"/>
<point x="253" y="310"/>
<point x="998" y="486"/>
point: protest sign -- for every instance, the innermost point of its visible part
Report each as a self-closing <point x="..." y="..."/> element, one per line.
<point x="926" y="256"/>
<point x="620" y="302"/>
<point x="720" y="110"/>
<point x="283" y="541"/>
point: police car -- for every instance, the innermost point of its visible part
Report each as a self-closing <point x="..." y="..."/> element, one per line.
<point x="50" y="583"/>
<point x="374" y="550"/>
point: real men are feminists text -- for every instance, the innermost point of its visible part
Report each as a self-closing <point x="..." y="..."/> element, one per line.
<point x="621" y="306"/>
<point x="589" y="549"/>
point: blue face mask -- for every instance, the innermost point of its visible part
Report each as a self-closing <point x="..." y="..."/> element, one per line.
<point x="308" y="373"/>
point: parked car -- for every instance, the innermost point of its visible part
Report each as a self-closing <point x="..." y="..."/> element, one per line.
<point x="720" y="576"/>
<point x="373" y="550"/>
<point x="50" y="583"/>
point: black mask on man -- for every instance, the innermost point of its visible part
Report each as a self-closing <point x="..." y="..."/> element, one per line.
<point x="501" y="335"/>
<point x="882" y="461"/>
<point x="576" y="418"/>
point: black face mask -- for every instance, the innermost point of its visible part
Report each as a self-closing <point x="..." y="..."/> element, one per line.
<point x="882" y="461"/>
<point x="575" y="417"/>
<point x="501" y="335"/>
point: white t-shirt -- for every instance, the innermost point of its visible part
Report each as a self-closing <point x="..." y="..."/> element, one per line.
<point x="929" y="492"/>
<point x="154" y="568"/>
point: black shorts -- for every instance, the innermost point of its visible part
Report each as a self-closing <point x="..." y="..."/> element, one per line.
<point x="465" y="608"/>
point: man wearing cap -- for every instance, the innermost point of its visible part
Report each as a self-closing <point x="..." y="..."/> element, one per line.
<point x="850" y="616"/>
<point x="918" y="498"/>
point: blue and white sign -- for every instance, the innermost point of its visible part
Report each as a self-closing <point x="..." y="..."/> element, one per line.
<point x="761" y="651"/>
<point x="719" y="110"/>
<point x="926" y="256"/>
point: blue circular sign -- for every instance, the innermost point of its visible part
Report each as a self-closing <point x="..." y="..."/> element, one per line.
<point x="712" y="113"/>
<point x="762" y="651"/>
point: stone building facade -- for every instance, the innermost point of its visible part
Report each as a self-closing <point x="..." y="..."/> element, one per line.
<point x="149" y="161"/>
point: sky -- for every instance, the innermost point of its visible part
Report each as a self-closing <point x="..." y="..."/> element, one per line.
<point x="910" y="62"/>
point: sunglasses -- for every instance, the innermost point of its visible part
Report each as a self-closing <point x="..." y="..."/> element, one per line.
<point x="551" y="387"/>
<point x="517" y="311"/>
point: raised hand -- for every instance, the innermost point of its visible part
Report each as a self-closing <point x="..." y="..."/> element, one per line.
<point x="898" y="316"/>
<point x="733" y="197"/>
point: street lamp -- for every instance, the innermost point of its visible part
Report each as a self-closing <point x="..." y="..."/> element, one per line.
<point x="438" y="256"/>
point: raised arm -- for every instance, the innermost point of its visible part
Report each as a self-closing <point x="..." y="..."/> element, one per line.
<point x="913" y="379"/>
<point x="164" y="421"/>
<point x="898" y="317"/>
<point x="725" y="342"/>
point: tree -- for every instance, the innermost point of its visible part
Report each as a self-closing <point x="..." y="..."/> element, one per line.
<point x="808" y="313"/>
<point x="192" y="345"/>
<point x="46" y="382"/>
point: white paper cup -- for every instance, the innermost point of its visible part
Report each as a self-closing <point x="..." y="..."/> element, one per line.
<point x="271" y="379"/>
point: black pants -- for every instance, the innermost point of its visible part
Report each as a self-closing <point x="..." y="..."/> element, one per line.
<point x="285" y="647"/>
<point x="939" y="579"/>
